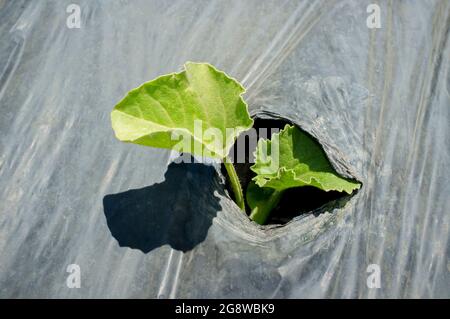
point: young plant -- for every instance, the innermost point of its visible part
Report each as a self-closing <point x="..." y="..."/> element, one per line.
<point x="201" y="104"/>
<point x="290" y="159"/>
<point x="204" y="107"/>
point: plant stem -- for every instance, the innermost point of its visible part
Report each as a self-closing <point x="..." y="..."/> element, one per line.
<point x="260" y="213"/>
<point x="235" y="184"/>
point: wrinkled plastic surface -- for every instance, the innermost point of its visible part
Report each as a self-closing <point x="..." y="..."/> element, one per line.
<point x="377" y="99"/>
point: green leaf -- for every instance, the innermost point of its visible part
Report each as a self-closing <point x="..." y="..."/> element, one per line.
<point x="199" y="111"/>
<point x="292" y="159"/>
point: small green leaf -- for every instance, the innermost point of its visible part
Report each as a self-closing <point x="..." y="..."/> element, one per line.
<point x="179" y="110"/>
<point x="293" y="159"/>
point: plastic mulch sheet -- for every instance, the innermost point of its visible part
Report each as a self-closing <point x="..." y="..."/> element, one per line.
<point x="138" y="225"/>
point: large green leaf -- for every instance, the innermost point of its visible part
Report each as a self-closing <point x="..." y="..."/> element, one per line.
<point x="292" y="159"/>
<point x="199" y="111"/>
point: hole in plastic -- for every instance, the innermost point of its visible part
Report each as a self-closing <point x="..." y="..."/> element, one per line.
<point x="296" y="201"/>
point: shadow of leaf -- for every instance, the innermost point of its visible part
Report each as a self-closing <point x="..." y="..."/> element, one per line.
<point x="177" y="212"/>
